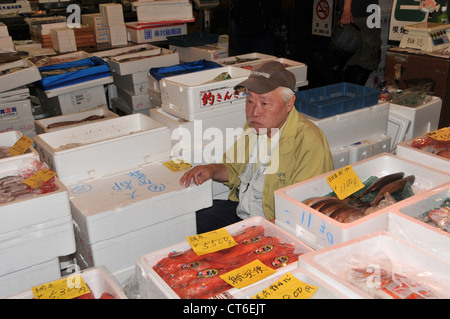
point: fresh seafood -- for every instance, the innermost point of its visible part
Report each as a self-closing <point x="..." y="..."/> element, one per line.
<point x="63" y="123"/>
<point x="429" y="144"/>
<point x="12" y="188"/>
<point x="193" y="276"/>
<point x="312" y="200"/>
<point x="347" y="214"/>
<point x="393" y="187"/>
<point x="381" y="182"/>
<point x="441" y="216"/>
<point x="4" y="151"/>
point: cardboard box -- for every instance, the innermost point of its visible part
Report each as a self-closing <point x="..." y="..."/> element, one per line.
<point x="153" y="33"/>
<point x="96" y="21"/>
<point x="112" y="14"/>
<point x="117" y="35"/>
<point x="115" y="143"/>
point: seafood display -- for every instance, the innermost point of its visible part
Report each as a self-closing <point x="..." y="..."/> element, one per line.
<point x="433" y="146"/>
<point x="12" y="188"/>
<point x="194" y="276"/>
<point x="438" y="217"/>
<point x="377" y="193"/>
<point x="4" y="151"/>
<point x="64" y="123"/>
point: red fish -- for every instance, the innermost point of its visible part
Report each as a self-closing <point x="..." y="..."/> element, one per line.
<point x="205" y="286"/>
<point x="441" y="216"/>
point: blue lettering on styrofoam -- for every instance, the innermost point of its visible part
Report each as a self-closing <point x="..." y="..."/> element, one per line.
<point x="81" y="189"/>
<point x="156" y="187"/>
<point x="148" y="34"/>
<point x="328" y="234"/>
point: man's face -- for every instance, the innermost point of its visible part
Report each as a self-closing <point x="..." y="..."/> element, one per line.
<point x="267" y="111"/>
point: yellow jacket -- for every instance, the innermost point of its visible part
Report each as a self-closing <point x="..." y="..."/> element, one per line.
<point x="303" y="153"/>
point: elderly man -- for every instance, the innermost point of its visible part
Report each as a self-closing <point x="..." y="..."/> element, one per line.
<point x="279" y="147"/>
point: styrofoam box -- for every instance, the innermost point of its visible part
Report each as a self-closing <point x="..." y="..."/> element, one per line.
<point x="134" y="101"/>
<point x="29" y="74"/>
<point x="190" y="97"/>
<point x="319" y="230"/>
<point x="19" y="280"/>
<point x="377" y="250"/>
<point x="129" y="86"/>
<point x="20" y="93"/>
<point x="155" y="57"/>
<point x="41" y="126"/>
<point x="367" y="148"/>
<point x="351" y="127"/>
<point x="299" y="69"/>
<point x="424" y="118"/>
<point x="155" y="98"/>
<point x="99" y="149"/>
<point x="151" y="285"/>
<point x="9" y="139"/>
<point x="23" y="125"/>
<point x="243" y="59"/>
<point x="141" y="208"/>
<point x="210" y="52"/>
<point x="98" y="279"/>
<point x="86" y="85"/>
<point x="168" y="10"/>
<point x="112" y="14"/>
<point x="405" y="150"/>
<point x="397" y="127"/>
<point x="324" y="290"/>
<point x="73" y="102"/>
<point x="341" y="157"/>
<point x="153" y="33"/>
<point x="119" y="105"/>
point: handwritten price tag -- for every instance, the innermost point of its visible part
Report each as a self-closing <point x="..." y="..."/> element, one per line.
<point x="177" y="165"/>
<point x="39" y="178"/>
<point x="65" y="288"/>
<point x="21" y="146"/>
<point x="247" y="274"/>
<point x="440" y="135"/>
<point x="287" y="287"/>
<point x="212" y="241"/>
<point x="344" y="182"/>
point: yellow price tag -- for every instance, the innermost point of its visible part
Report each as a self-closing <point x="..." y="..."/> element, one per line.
<point x="65" y="288"/>
<point x="247" y="274"/>
<point x="287" y="287"/>
<point x="177" y="165"/>
<point x="212" y="241"/>
<point x="21" y="146"/>
<point x="344" y="182"/>
<point x="39" y="178"/>
<point x="442" y="134"/>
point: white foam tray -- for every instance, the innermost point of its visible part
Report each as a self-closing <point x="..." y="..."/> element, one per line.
<point x="319" y="230"/>
<point x="168" y="10"/>
<point x="98" y="149"/>
<point x="29" y="74"/>
<point x="98" y="279"/>
<point x="188" y="96"/>
<point x="10" y="163"/>
<point x="151" y="285"/>
<point x="332" y="263"/>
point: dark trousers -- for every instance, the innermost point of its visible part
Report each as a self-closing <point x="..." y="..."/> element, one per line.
<point x="222" y="213"/>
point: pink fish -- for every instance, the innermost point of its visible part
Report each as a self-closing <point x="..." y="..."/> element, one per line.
<point x="441" y="216"/>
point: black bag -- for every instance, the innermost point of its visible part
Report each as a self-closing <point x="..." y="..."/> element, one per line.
<point x="345" y="42"/>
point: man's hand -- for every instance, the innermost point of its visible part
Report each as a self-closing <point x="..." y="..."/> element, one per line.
<point x="201" y="173"/>
<point x="347" y="16"/>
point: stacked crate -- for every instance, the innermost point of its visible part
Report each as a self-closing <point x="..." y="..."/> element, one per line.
<point x="6" y="43"/>
<point x="112" y="15"/>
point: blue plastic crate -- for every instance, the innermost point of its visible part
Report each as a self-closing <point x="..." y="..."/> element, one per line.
<point x="193" y="39"/>
<point x="335" y="99"/>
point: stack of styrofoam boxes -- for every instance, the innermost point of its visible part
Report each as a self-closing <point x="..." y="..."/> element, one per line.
<point x="318" y="230"/>
<point x="172" y="11"/>
<point x="112" y="14"/>
<point x="15" y="104"/>
<point x="376" y="78"/>
<point x="130" y="77"/>
<point x="124" y="201"/>
<point x="356" y="135"/>
<point x="205" y="106"/>
<point x="153" y="33"/>
<point x="6" y="42"/>
<point x="152" y="286"/>
<point x="407" y="122"/>
<point x="414" y="270"/>
<point x="63" y="40"/>
<point x="85" y="95"/>
<point x="98" y="279"/>
<point x="35" y="231"/>
<point x="100" y="29"/>
<point x="74" y="119"/>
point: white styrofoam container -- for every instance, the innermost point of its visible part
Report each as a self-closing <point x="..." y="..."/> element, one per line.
<point x="86" y="85"/>
<point x="424" y="118"/>
<point x="189" y="96"/>
<point x="168" y="10"/>
<point x="23" y="125"/>
<point x="341" y="157"/>
<point x="151" y="57"/>
<point x="151" y="285"/>
<point x="41" y="126"/>
<point x="351" y="127"/>
<point x="405" y="150"/>
<point x="367" y="148"/>
<point x="129" y="86"/>
<point x="98" y="149"/>
<point x="379" y="250"/>
<point x="153" y="33"/>
<point x="324" y="290"/>
<point x="299" y="69"/>
<point x="15" y="109"/>
<point x="243" y="59"/>
<point x="17" y="281"/>
<point x="20" y="93"/>
<point x="155" y="98"/>
<point x="28" y="74"/>
<point x="123" y="108"/>
<point x="396" y="129"/>
<point x="319" y="230"/>
<point x="136" y="102"/>
<point x="9" y="139"/>
<point x="210" y="52"/>
<point x="98" y="279"/>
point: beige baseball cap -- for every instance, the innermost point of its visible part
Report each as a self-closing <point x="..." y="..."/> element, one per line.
<point x="268" y="76"/>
